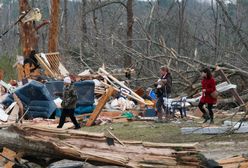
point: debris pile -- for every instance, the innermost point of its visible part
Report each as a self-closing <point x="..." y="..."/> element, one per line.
<point x="106" y="149"/>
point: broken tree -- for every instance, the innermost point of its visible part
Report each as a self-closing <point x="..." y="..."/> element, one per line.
<point x="73" y="144"/>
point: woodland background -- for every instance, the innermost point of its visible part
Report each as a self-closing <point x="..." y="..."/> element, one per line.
<point x="186" y="35"/>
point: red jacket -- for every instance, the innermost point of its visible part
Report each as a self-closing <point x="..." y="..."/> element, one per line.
<point x="209" y="86"/>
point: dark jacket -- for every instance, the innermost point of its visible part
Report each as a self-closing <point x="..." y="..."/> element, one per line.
<point x="69" y="97"/>
<point x="165" y="90"/>
<point x="209" y="86"/>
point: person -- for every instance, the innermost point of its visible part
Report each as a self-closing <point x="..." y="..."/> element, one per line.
<point x="68" y="104"/>
<point x="163" y="89"/>
<point x="146" y="95"/>
<point x="31" y="66"/>
<point x="208" y="86"/>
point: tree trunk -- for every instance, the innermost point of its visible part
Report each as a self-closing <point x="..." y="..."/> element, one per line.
<point x="83" y="30"/>
<point x="70" y="144"/>
<point x="127" y="57"/>
<point x="181" y="10"/>
<point x="29" y="39"/>
<point x="66" y="37"/>
<point x="54" y="27"/>
<point x="53" y="33"/>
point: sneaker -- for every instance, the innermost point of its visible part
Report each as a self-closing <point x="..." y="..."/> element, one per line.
<point x="59" y="126"/>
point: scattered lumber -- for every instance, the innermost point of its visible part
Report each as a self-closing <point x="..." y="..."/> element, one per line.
<point x="52" y="64"/>
<point x="236" y="161"/>
<point x="234" y="91"/>
<point x="8" y="158"/>
<point x="100" y="106"/>
<point x="73" y="144"/>
<point x="108" y="76"/>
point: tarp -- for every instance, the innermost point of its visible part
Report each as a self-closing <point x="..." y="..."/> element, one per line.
<point x="36" y="98"/>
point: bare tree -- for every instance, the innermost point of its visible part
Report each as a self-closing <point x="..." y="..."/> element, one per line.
<point x="83" y="31"/>
<point x="181" y="16"/>
<point x="28" y="35"/>
<point x="66" y="36"/>
<point x="127" y="57"/>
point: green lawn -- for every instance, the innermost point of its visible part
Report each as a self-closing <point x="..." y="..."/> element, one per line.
<point x="160" y="132"/>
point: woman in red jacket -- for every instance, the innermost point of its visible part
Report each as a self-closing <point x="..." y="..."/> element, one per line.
<point x="208" y="87"/>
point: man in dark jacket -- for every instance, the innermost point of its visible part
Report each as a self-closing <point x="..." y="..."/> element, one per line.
<point x="68" y="104"/>
<point x="163" y="85"/>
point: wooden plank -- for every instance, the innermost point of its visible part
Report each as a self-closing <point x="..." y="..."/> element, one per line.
<point x="14" y="113"/>
<point x="100" y="106"/>
<point x="116" y="138"/>
<point x="234" y="91"/>
<point x="44" y="65"/>
<point x="10" y="155"/>
<point x="243" y="165"/>
<point x="21" y="108"/>
<point x="20" y="71"/>
<point x="72" y="144"/>
<point x="237" y="159"/>
<point x="54" y="62"/>
<point x="122" y="85"/>
<point x="130" y="96"/>
<point x="56" y="68"/>
<point x="3" y="116"/>
<point x="10" y="107"/>
<point x="170" y="145"/>
<point x="63" y="71"/>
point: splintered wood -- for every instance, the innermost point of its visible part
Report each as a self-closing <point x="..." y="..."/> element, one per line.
<point x="236" y="161"/>
<point x="117" y="85"/>
<point x="74" y="144"/>
<point x="7" y="158"/>
<point x="100" y="106"/>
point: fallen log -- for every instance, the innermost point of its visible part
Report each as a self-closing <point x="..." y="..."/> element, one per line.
<point x="75" y="144"/>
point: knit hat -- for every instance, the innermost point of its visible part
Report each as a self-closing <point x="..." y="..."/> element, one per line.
<point x="67" y="79"/>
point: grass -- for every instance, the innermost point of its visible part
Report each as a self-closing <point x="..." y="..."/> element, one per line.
<point x="161" y="132"/>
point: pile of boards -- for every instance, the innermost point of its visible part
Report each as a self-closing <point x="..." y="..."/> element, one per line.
<point x="106" y="149"/>
<point x="236" y="161"/>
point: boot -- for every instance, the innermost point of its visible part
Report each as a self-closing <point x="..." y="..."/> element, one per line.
<point x="211" y="119"/>
<point x="206" y="118"/>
